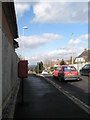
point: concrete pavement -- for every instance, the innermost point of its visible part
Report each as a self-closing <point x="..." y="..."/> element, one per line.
<point x="42" y="100"/>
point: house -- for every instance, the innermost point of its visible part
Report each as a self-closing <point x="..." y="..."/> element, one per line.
<point x="67" y="62"/>
<point x="83" y="57"/>
<point x="57" y="62"/>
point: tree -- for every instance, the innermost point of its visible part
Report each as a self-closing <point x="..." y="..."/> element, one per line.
<point x="62" y="62"/>
<point x="52" y="69"/>
<point x="71" y="60"/>
<point x="36" y="69"/>
<point x="39" y="67"/>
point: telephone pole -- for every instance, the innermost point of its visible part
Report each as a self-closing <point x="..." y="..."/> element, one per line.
<point x="72" y="48"/>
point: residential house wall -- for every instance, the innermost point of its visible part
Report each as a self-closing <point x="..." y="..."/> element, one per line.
<point x="0" y="60"/>
<point x="9" y="80"/>
<point x="6" y="28"/>
<point x="10" y="69"/>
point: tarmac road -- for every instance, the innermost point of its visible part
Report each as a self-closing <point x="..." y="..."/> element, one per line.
<point x="42" y="100"/>
<point x="79" y="89"/>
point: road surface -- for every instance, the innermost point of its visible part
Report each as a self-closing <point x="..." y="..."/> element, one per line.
<point x="43" y="100"/>
<point x="79" y="89"/>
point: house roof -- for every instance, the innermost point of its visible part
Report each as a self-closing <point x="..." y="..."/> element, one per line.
<point x="85" y="53"/>
<point x="9" y="11"/>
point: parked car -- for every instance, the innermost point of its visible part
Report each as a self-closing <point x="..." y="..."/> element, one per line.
<point x="66" y="73"/>
<point x="44" y="72"/>
<point x="85" y="70"/>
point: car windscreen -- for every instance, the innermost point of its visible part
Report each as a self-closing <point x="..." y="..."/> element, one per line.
<point x="69" y="68"/>
<point x="86" y="66"/>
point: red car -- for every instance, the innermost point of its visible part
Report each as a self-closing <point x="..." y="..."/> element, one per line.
<point x="56" y="71"/>
<point x="66" y="72"/>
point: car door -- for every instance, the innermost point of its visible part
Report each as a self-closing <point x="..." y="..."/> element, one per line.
<point x="87" y="69"/>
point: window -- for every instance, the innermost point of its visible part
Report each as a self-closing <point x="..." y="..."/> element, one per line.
<point x="86" y="67"/>
<point x="60" y="69"/>
<point x="57" y="68"/>
<point x="69" y="68"/>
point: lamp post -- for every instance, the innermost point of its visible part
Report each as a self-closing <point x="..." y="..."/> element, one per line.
<point x="23" y="39"/>
<point x="24" y="28"/>
<point x="22" y="64"/>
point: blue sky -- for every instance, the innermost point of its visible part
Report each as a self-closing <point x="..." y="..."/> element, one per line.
<point x="50" y="26"/>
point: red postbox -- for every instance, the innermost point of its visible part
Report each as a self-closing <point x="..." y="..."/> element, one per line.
<point x="23" y="69"/>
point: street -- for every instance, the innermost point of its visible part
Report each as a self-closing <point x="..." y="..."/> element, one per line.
<point x="79" y="89"/>
<point x="43" y="100"/>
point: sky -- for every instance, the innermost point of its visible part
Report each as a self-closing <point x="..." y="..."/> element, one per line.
<point x="50" y="27"/>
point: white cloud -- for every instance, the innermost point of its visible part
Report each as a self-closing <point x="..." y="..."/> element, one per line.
<point x="37" y="41"/>
<point x="64" y="53"/>
<point x="85" y="37"/>
<point x="61" y="12"/>
<point x="21" y="8"/>
<point x="79" y="40"/>
<point x="61" y="53"/>
<point x="32" y="41"/>
<point x="52" y="36"/>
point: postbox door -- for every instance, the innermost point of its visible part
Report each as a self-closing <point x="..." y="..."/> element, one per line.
<point x="23" y="69"/>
